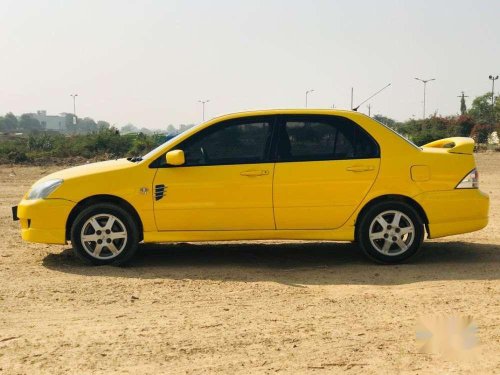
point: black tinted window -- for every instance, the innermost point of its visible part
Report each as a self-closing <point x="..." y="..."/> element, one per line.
<point x="231" y="143"/>
<point x="325" y="138"/>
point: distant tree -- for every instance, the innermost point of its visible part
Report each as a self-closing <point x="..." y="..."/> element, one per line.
<point x="146" y="131"/>
<point x="129" y="128"/>
<point x="184" y="127"/>
<point x="142" y="144"/>
<point x="481" y="109"/>
<point x="28" y="123"/>
<point x="86" y="125"/>
<point x="102" y="125"/>
<point x="171" y="129"/>
<point x="429" y="129"/>
<point x="9" y="123"/>
<point x="385" y="120"/>
<point x="462" y="126"/>
<point x="481" y="132"/>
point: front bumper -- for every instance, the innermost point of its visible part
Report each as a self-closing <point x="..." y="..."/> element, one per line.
<point x="44" y="220"/>
<point x="455" y="212"/>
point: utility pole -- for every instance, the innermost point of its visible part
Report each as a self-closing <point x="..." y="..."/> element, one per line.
<point x="463" y="107"/>
<point x="352" y="98"/>
<point x="424" y="81"/>
<point x="369" y="110"/>
<point x="493" y="79"/>
<point x="203" y="102"/>
<point x="307" y="93"/>
<point x="74" y="107"/>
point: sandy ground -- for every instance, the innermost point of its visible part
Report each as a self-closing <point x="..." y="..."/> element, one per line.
<point x="243" y="307"/>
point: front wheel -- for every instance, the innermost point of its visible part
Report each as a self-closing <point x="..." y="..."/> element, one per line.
<point x="390" y="232"/>
<point x="104" y="234"/>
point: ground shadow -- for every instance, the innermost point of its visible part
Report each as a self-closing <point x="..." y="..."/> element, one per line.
<point x="293" y="263"/>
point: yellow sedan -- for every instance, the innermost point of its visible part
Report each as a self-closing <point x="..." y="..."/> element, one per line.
<point x="273" y="174"/>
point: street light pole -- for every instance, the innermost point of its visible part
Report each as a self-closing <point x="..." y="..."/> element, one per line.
<point x="307" y="93"/>
<point x="203" y="107"/>
<point x="493" y="79"/>
<point x="424" y="81"/>
<point x="74" y="106"/>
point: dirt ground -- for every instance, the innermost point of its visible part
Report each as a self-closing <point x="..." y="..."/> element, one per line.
<point x="267" y="307"/>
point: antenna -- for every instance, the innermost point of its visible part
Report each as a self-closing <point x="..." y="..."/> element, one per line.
<point x="379" y="91"/>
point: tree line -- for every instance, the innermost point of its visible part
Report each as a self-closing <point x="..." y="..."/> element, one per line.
<point x="27" y="123"/>
<point x="24" y="139"/>
<point x="47" y="147"/>
<point x="89" y="139"/>
<point x="479" y="122"/>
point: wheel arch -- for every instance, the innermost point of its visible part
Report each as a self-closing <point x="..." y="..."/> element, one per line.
<point x="103" y="198"/>
<point x="394" y="198"/>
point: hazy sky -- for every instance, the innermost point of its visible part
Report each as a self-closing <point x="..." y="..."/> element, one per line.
<point x="148" y="62"/>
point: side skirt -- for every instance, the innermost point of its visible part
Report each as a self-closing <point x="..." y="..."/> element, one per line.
<point x="340" y="234"/>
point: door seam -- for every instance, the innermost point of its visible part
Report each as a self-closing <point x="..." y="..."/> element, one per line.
<point x="272" y="193"/>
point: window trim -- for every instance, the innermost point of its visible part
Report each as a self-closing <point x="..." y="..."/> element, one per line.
<point x="271" y="119"/>
<point x="283" y="119"/>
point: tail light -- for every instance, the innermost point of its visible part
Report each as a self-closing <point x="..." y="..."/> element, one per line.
<point x="471" y="181"/>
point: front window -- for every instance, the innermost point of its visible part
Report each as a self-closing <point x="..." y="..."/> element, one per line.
<point x="240" y="143"/>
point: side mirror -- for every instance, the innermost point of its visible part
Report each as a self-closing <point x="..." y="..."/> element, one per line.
<point x="175" y="157"/>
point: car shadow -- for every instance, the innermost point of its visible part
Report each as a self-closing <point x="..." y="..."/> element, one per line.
<point x="292" y="263"/>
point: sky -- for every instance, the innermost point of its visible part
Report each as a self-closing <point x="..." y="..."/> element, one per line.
<point x="149" y="62"/>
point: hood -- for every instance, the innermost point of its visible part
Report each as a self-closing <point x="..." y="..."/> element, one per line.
<point x="90" y="169"/>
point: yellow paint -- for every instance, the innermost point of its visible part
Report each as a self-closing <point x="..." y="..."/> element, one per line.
<point x="44" y="220"/>
<point x="289" y="200"/>
<point x="457" y="145"/>
<point x="420" y="173"/>
<point x="320" y="194"/>
<point x="216" y="198"/>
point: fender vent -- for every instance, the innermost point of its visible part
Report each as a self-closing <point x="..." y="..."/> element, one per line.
<point x="159" y="192"/>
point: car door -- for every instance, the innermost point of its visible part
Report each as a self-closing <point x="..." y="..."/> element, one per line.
<point x="225" y="183"/>
<point x="325" y="167"/>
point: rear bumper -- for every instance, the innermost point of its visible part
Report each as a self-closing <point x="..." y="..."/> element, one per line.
<point x="454" y="212"/>
<point x="44" y="220"/>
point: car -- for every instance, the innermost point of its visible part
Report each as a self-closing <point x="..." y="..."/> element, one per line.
<point x="298" y="174"/>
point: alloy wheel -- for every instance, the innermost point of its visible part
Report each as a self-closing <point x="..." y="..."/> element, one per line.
<point x="391" y="233"/>
<point x="103" y="236"/>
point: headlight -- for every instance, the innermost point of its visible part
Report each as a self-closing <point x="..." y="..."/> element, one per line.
<point x="43" y="189"/>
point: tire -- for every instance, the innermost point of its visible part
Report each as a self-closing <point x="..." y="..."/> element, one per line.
<point x="111" y="233"/>
<point x="390" y="232"/>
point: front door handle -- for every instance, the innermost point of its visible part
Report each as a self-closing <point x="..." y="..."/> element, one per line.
<point x="360" y="168"/>
<point x="254" y="173"/>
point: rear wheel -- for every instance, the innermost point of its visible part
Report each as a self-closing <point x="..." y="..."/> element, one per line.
<point x="104" y="234"/>
<point x="390" y="232"/>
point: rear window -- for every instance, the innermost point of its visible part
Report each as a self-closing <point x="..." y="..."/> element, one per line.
<point x="308" y="138"/>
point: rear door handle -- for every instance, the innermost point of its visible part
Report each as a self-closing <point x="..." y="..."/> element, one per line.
<point x="360" y="168"/>
<point x="254" y="173"/>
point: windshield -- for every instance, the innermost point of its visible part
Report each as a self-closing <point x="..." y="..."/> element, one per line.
<point x="156" y="149"/>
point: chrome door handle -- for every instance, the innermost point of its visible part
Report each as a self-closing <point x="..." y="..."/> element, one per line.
<point x="254" y="173"/>
<point x="360" y="168"/>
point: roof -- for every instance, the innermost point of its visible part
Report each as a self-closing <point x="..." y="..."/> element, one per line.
<point x="292" y="111"/>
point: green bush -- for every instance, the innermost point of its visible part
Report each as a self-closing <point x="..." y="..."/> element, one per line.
<point x="45" y="146"/>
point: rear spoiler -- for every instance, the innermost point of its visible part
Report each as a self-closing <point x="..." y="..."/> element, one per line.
<point x="454" y="145"/>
